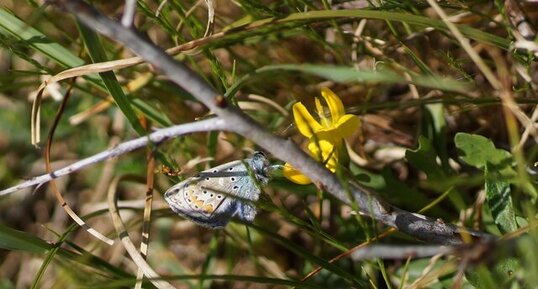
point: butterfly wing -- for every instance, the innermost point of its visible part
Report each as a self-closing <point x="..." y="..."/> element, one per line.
<point x="214" y="196"/>
<point x="203" y="206"/>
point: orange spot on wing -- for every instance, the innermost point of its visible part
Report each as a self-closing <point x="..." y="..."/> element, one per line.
<point x="208" y="208"/>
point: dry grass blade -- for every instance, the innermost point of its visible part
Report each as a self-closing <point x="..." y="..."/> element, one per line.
<point x="146" y="225"/>
<point x="350" y="252"/>
<point x="464" y="42"/>
<point x="269" y="102"/>
<point x="91" y="69"/>
<point x="429" y="275"/>
<point x="53" y="186"/>
<point x="35" y="125"/>
<point x="153" y="277"/>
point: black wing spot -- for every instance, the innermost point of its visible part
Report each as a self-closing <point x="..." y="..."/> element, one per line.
<point x="233" y="179"/>
<point x="235" y="187"/>
<point x="207" y="179"/>
<point x="231" y="169"/>
<point x="205" y="192"/>
<point x="214" y="171"/>
<point x="219" y="196"/>
<point x="211" y="195"/>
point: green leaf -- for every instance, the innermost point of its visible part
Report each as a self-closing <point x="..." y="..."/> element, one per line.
<point x="478" y="151"/>
<point x="34" y="39"/>
<point x="13" y="26"/>
<point x="434" y="128"/>
<point x="98" y="54"/>
<point x="424" y="158"/>
<point x="347" y="74"/>
<point x="309" y="256"/>
<point x="11" y="239"/>
<point x="499" y="275"/>
<point x="421" y="65"/>
<point x="499" y="201"/>
<point x="407" y="18"/>
<point x="385" y="184"/>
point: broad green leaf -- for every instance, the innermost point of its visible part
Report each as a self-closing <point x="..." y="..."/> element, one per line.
<point x="424" y="159"/>
<point x="499" y="201"/>
<point x="385" y="184"/>
<point x="416" y="269"/>
<point x="497" y="276"/>
<point x="479" y="151"/>
<point x="434" y="128"/>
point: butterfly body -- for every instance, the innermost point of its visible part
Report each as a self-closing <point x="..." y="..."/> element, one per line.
<point x="214" y="196"/>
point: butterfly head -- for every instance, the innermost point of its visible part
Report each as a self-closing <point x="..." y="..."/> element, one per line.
<point x="260" y="166"/>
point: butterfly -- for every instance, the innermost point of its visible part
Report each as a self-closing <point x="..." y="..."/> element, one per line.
<point x="215" y="196"/>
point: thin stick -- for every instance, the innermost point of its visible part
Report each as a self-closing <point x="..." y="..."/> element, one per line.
<point x="129" y="11"/>
<point x="399" y="252"/>
<point x="128" y="146"/>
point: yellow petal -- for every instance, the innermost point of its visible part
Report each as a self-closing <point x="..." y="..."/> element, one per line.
<point x="306" y="124"/>
<point x="332" y="162"/>
<point x="325" y="152"/>
<point x="330" y="135"/>
<point x="336" y="106"/>
<point x="325" y="122"/>
<point x="321" y="149"/>
<point x="294" y="175"/>
<point x="347" y="125"/>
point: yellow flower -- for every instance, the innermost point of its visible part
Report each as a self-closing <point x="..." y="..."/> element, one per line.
<point x="324" y="136"/>
<point x="338" y="126"/>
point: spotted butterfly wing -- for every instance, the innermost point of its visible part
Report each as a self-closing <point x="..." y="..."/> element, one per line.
<point x="214" y="196"/>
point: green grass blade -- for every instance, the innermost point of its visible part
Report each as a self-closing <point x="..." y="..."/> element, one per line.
<point x="412" y="19"/>
<point x="302" y="252"/>
<point x="98" y="54"/>
<point x="38" y="41"/>
<point x="11" y="239"/>
<point x="346" y="74"/>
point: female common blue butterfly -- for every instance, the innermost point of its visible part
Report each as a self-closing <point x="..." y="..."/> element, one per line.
<point x="214" y="196"/>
